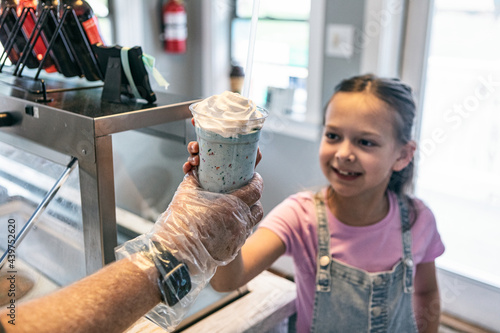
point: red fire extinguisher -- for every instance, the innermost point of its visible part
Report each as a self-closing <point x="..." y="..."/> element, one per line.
<point x="175" y="26"/>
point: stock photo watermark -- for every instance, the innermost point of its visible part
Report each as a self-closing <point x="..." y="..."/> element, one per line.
<point x="454" y="117"/>
<point x="10" y="267"/>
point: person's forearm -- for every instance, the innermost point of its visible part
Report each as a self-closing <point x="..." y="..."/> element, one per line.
<point x="427" y="311"/>
<point x="110" y="300"/>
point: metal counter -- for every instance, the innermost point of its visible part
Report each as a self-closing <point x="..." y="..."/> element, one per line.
<point x="58" y="124"/>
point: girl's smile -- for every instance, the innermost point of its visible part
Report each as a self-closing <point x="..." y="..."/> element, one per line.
<point x="346" y="175"/>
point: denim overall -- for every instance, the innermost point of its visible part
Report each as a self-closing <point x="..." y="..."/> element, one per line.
<point x="352" y="300"/>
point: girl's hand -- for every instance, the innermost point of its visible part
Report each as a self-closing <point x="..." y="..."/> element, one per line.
<point x="194" y="159"/>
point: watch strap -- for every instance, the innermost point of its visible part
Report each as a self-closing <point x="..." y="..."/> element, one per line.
<point x="174" y="281"/>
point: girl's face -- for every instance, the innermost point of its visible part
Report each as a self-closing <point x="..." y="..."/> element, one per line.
<point x="359" y="150"/>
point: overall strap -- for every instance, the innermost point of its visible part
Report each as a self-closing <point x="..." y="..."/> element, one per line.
<point x="324" y="259"/>
<point x="408" y="264"/>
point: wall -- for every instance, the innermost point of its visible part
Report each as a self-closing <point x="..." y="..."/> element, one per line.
<point x="335" y="69"/>
<point x="289" y="165"/>
<point x="139" y="24"/>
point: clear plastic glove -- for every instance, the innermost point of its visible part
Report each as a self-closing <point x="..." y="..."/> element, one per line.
<point x="202" y="229"/>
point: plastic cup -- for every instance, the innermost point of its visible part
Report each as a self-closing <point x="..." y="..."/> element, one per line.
<point x="227" y="163"/>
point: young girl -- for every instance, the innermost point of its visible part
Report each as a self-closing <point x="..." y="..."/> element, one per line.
<point x="363" y="250"/>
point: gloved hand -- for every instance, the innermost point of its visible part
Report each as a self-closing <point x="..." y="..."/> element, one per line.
<point x="202" y="229"/>
<point x="201" y="223"/>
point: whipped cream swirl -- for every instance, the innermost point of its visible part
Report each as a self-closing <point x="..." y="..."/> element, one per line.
<point x="228" y="114"/>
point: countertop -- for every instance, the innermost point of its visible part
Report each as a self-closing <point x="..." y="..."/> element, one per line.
<point x="270" y="301"/>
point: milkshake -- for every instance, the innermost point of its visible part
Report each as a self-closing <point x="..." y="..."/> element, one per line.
<point x="228" y="131"/>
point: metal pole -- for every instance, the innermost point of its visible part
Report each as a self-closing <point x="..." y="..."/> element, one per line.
<point x="40" y="209"/>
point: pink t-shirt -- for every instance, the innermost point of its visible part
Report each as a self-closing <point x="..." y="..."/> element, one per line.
<point x="374" y="248"/>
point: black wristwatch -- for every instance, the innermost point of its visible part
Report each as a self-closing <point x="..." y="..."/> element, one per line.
<point x="174" y="281"/>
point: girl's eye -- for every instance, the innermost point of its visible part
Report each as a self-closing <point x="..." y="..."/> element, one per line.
<point x="331" y="136"/>
<point x="367" y="143"/>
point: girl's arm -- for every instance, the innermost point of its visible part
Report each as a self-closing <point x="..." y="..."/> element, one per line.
<point x="258" y="254"/>
<point x="426" y="302"/>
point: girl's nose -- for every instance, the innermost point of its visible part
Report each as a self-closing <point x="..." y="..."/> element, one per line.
<point x="345" y="153"/>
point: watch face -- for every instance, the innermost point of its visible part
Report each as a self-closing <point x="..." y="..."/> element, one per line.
<point x="177" y="284"/>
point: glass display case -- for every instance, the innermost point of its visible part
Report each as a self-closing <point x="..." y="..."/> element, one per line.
<point x="69" y="136"/>
<point x="54" y="245"/>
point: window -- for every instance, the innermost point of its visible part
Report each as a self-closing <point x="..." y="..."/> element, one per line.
<point x="280" y="71"/>
<point x="459" y="154"/>
<point x="459" y="169"/>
